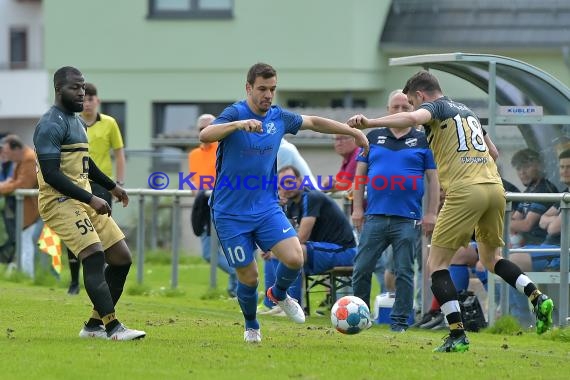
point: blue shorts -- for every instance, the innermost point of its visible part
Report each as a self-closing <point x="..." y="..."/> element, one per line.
<point x="323" y="256"/>
<point x="240" y="235"/>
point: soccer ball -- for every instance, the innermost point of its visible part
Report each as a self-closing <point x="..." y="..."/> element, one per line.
<point x="350" y="315"/>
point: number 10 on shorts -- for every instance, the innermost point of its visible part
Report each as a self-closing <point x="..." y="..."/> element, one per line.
<point x="236" y="255"/>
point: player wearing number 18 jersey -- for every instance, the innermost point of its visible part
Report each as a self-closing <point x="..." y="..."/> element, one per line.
<point x="82" y="220"/>
<point x="475" y="199"/>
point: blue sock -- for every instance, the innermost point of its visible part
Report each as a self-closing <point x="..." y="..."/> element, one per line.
<point x="460" y="276"/>
<point x="296" y="289"/>
<point x="247" y="298"/>
<point x="269" y="278"/>
<point x="284" y="277"/>
<point x="483" y="277"/>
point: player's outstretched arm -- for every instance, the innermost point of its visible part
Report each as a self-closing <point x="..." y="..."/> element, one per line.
<point x="324" y="125"/>
<point x="397" y="120"/>
<point x="216" y="132"/>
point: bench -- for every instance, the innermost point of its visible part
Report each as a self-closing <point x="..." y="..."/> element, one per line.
<point x="332" y="280"/>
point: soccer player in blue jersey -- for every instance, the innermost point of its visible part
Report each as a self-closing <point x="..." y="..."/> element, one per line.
<point x="244" y="200"/>
<point x="394" y="172"/>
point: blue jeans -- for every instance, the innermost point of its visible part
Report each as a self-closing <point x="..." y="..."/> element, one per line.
<point x="378" y="232"/>
<point x="205" y="239"/>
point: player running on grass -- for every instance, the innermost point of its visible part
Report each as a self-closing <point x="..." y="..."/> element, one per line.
<point x="244" y="201"/>
<point x="82" y="220"/>
<point x="475" y="199"/>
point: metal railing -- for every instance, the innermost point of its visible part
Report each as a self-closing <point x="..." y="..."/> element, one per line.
<point x="561" y="277"/>
<point x="142" y="194"/>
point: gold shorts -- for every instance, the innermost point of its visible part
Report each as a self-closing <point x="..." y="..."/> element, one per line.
<point x="78" y="225"/>
<point x="479" y="208"/>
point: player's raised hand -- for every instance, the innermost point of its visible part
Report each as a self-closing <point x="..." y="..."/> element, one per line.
<point x="250" y="125"/>
<point x="121" y="195"/>
<point x="362" y="142"/>
<point x="100" y="205"/>
<point x="358" y="121"/>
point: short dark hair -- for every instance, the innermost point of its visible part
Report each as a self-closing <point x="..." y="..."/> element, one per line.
<point x="90" y="89"/>
<point x="60" y="76"/>
<point x="260" y="70"/>
<point x="292" y="168"/>
<point x="564" y="154"/>
<point x="14" y="141"/>
<point x="422" y="81"/>
<point x="524" y="157"/>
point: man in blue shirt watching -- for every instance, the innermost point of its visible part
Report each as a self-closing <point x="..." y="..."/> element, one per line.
<point x="244" y="202"/>
<point x="393" y="174"/>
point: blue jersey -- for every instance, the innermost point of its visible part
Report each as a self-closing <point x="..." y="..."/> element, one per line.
<point x="396" y="169"/>
<point x="246" y="162"/>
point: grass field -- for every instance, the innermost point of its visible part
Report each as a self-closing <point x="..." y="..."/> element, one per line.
<point x="192" y="333"/>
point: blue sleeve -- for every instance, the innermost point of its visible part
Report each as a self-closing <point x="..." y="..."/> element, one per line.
<point x="371" y="136"/>
<point x="429" y="160"/>
<point x="361" y="158"/>
<point x="292" y="121"/>
<point x="227" y="116"/>
<point x="48" y="140"/>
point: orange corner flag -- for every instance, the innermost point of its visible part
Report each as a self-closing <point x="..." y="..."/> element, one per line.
<point x="50" y="244"/>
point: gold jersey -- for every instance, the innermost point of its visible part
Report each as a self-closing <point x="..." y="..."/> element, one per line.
<point x="456" y="138"/>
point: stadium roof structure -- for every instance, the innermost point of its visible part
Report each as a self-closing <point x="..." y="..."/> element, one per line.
<point x="518" y="87"/>
<point x="509" y="82"/>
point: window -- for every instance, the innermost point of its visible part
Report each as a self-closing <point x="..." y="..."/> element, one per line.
<point x="176" y="120"/>
<point x="18" y="48"/>
<point x="200" y="9"/>
<point x="296" y="103"/>
<point x="117" y="110"/>
<point x="342" y="103"/>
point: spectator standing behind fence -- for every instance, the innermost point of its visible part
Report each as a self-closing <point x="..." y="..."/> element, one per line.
<point x="202" y="162"/>
<point x="475" y="199"/>
<point x="384" y="271"/>
<point x="551" y="222"/>
<point x="346" y="147"/>
<point x="104" y="137"/>
<point x="8" y="213"/>
<point x="524" y="222"/>
<point x="394" y="175"/>
<point x="324" y="231"/>
<point x="82" y="220"/>
<point x="250" y="132"/>
<point x="24" y="177"/>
